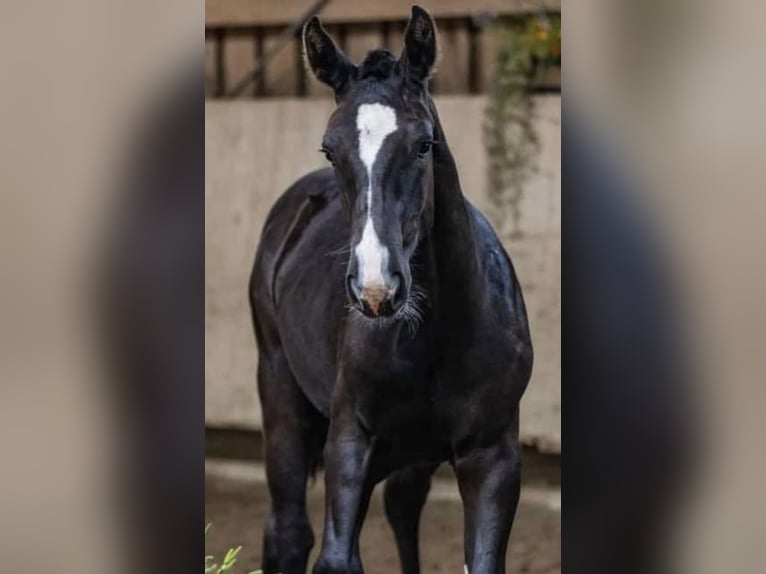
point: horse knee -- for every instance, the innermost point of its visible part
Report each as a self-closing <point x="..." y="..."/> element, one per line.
<point x="334" y="565"/>
<point x="287" y="544"/>
<point x="295" y="537"/>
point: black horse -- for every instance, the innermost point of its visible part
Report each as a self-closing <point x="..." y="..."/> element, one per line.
<point x="391" y="328"/>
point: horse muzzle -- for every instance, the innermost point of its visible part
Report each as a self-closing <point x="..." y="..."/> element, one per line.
<point x="377" y="299"/>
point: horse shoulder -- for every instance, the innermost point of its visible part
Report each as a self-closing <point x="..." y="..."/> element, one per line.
<point x="284" y="225"/>
<point x="506" y="344"/>
<point x="503" y="293"/>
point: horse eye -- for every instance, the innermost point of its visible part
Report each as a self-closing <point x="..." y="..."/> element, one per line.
<point x="328" y="155"/>
<point x="425" y="148"/>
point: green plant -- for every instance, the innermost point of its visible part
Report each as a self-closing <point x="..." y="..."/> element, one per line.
<point x="510" y="137"/>
<point x="227" y="564"/>
<point x="542" y="36"/>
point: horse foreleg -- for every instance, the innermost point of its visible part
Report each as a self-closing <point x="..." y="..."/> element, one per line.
<point x="289" y="423"/>
<point x="348" y="486"/>
<point x="489" y="479"/>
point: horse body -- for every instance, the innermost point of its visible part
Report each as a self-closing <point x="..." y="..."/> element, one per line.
<point x="297" y="291"/>
<point x="386" y="369"/>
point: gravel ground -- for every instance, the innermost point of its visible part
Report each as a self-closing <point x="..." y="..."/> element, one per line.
<point x="236" y="502"/>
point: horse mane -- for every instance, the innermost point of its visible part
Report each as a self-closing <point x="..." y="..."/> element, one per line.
<point x="378" y="64"/>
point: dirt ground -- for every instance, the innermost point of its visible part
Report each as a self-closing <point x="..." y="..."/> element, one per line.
<point x="236" y="503"/>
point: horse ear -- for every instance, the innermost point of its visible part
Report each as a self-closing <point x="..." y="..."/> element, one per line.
<point x="328" y="63"/>
<point x="419" y="54"/>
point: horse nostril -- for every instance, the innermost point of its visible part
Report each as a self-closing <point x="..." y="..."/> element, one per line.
<point x="353" y="292"/>
<point x="397" y="294"/>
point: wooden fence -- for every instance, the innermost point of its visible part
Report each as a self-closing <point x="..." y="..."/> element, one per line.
<point x="240" y="34"/>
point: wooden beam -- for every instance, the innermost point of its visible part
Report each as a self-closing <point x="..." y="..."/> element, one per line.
<point x="235" y="13"/>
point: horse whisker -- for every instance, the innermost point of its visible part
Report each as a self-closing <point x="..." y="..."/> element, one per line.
<point x="339" y="251"/>
<point x="411" y="314"/>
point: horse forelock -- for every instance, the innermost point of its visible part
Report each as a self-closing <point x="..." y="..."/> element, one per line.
<point x="378" y="64"/>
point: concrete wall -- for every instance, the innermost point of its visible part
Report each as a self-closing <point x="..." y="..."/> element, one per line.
<point x="255" y="149"/>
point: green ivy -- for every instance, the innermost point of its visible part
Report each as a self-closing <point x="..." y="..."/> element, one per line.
<point x="510" y="137"/>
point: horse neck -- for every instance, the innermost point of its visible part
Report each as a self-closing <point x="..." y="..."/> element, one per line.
<point x="454" y="249"/>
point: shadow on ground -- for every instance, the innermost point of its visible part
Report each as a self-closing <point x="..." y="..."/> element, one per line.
<point x="236" y="503"/>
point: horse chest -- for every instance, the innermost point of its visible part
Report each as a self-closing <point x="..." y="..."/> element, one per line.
<point x="388" y="385"/>
<point x="401" y="413"/>
<point x="398" y="386"/>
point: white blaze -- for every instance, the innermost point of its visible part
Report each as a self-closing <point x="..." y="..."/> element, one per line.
<point x="374" y="122"/>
